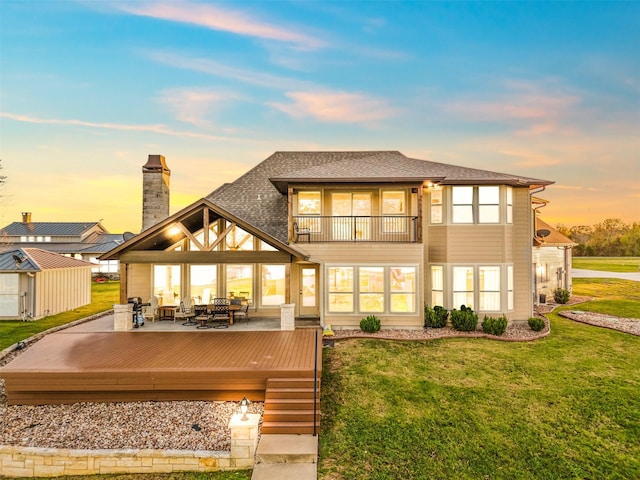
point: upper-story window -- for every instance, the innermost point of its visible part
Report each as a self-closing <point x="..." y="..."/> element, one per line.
<point x="481" y="204"/>
<point x="509" y="204"/>
<point x="394" y="204"/>
<point x="309" y="203"/>
<point x="462" y="204"/>
<point x="489" y="204"/>
<point x="436" y="205"/>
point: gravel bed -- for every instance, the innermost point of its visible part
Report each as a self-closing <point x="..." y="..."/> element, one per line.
<point x="627" y="325"/>
<point x="141" y="425"/>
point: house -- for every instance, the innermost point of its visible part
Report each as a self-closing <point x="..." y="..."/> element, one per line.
<point x="343" y="235"/>
<point x="81" y="240"/>
<point x="36" y="283"/>
<point x="552" y="254"/>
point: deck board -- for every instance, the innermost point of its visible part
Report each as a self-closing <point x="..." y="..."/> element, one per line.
<point x="121" y="366"/>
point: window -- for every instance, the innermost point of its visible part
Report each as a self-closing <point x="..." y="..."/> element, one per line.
<point x="437" y="285"/>
<point x="403" y="289"/>
<point x="509" y="287"/>
<point x="462" y="200"/>
<point x="393" y="204"/>
<point x="436" y="205"/>
<point x="273" y="285"/>
<point x="340" y="286"/>
<point x="9" y="295"/>
<point x="352" y="216"/>
<point x="489" y="288"/>
<point x="489" y="204"/>
<point x="265" y="247"/>
<point x="309" y="203"/>
<point x="378" y="289"/>
<point x="166" y="284"/>
<point x="463" y="286"/>
<point x="371" y="295"/>
<point x="238" y="239"/>
<point x="240" y="281"/>
<point x="204" y="283"/>
<point x="509" y="204"/>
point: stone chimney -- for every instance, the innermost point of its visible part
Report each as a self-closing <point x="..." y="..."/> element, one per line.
<point x="155" y="191"/>
<point x="26" y="217"/>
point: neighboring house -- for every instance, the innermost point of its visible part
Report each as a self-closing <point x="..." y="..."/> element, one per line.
<point x="342" y="235"/>
<point x="36" y="283"/>
<point x="552" y="253"/>
<point x="81" y="240"/>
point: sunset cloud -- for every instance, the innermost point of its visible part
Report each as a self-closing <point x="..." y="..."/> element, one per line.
<point x="338" y="107"/>
<point x="160" y="129"/>
<point x="194" y="105"/>
<point x="215" y="17"/>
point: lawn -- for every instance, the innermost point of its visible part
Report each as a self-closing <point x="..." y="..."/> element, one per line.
<point x="608" y="264"/>
<point x="562" y="407"/>
<point x="103" y="297"/>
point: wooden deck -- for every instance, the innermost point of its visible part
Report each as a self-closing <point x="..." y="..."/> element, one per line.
<point x="125" y="366"/>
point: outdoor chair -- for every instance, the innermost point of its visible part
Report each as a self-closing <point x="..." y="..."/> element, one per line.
<point x="185" y="312"/>
<point x="150" y="310"/>
<point x="220" y="312"/>
<point x="243" y="312"/>
<point x="201" y="313"/>
<point x="301" y="232"/>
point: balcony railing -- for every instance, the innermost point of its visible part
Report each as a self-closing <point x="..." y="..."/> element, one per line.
<point x="388" y="228"/>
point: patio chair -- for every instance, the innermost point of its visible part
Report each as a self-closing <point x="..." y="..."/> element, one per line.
<point x="243" y="312"/>
<point x="301" y="232"/>
<point x="201" y="313"/>
<point x="185" y="312"/>
<point x="220" y="312"/>
<point x="150" y="310"/>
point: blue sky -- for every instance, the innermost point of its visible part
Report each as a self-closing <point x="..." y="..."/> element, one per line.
<point x="89" y="88"/>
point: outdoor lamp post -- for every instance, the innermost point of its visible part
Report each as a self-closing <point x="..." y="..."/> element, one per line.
<point x="244" y="406"/>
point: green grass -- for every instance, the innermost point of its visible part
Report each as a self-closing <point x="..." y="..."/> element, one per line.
<point x="608" y="264"/>
<point x="103" y="297"/>
<point x="562" y="407"/>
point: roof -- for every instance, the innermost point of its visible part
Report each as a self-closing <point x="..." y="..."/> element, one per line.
<point x="554" y="239"/>
<point x="36" y="259"/>
<point x="66" y="229"/>
<point x="258" y="196"/>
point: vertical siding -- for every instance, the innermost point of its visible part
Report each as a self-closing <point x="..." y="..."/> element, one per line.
<point x="61" y="290"/>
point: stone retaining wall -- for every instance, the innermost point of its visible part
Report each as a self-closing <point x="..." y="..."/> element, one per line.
<point x="55" y="462"/>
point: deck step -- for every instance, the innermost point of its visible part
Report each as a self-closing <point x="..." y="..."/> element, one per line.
<point x="293" y="392"/>
<point x="283" y="428"/>
<point x="290" y="415"/>
<point x="291" y="382"/>
<point x="293" y="403"/>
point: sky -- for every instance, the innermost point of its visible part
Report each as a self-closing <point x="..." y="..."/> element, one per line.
<point x="88" y="89"/>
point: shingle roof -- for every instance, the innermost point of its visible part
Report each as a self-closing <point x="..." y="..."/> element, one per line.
<point x="35" y="259"/>
<point x="257" y="196"/>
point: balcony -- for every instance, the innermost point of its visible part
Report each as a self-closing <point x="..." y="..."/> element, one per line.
<point x="358" y="229"/>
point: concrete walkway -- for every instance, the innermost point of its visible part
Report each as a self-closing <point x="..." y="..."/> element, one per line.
<point x="580" y="273"/>
<point x="286" y="457"/>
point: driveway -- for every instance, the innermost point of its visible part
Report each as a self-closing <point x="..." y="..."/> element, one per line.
<point x="580" y="273"/>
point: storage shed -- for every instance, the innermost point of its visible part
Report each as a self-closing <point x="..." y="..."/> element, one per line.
<point x="36" y="283"/>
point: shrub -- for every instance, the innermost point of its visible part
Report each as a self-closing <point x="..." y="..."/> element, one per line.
<point x="370" y="324"/>
<point x="494" y="326"/>
<point x="536" y="324"/>
<point x="435" y="317"/>
<point x="464" y="320"/>
<point x="561" y="295"/>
